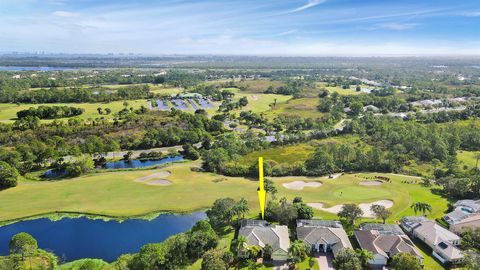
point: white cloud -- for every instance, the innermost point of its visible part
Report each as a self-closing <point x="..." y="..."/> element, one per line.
<point x="310" y="4"/>
<point x="398" y="26"/>
<point x="472" y="14"/>
<point x="286" y="33"/>
<point x="65" y="14"/>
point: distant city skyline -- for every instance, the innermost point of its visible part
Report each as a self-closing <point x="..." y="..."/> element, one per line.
<point x="242" y="27"/>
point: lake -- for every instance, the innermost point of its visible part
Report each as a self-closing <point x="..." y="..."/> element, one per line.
<point x="76" y="238"/>
<point x="121" y="164"/>
<point x="12" y="68"/>
<point x="136" y="163"/>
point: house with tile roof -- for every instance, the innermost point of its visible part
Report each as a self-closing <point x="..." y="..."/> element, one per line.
<point x="443" y="242"/>
<point x="465" y="215"/>
<point x="260" y="233"/>
<point x="385" y="241"/>
<point x="323" y="235"/>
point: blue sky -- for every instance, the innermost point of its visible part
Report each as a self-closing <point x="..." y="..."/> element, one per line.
<point x="246" y="27"/>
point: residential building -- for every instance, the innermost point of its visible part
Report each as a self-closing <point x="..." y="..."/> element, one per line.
<point x="470" y="222"/>
<point x="385" y="241"/>
<point x="465" y="215"/>
<point x="443" y="242"/>
<point x="323" y="235"/>
<point x="260" y="233"/>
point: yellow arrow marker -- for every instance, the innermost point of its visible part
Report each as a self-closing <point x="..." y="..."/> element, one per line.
<point x="261" y="189"/>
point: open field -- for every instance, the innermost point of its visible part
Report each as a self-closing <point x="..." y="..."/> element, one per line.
<point x="259" y="103"/>
<point x="297" y="152"/>
<point x="258" y="86"/>
<point x="302" y="107"/>
<point x="468" y="158"/>
<point x="117" y="194"/>
<point x="8" y="111"/>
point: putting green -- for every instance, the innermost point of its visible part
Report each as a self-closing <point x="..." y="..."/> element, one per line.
<point x="362" y="193"/>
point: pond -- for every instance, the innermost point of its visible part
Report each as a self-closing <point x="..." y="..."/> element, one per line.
<point x="131" y="164"/>
<point x="121" y="164"/>
<point x="76" y="238"/>
<point x="14" y="68"/>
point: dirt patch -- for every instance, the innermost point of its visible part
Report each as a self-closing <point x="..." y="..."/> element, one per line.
<point x="364" y="206"/>
<point x="299" y="185"/>
<point x="160" y="182"/>
<point x="152" y="176"/>
<point x="370" y="183"/>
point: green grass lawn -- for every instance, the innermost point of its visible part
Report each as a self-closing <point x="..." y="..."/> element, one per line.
<point x="259" y="85"/>
<point x="117" y="194"/>
<point x="346" y="189"/>
<point x="259" y="103"/>
<point x="8" y="111"/>
<point x="302" y="107"/>
<point x="297" y="152"/>
<point x="468" y="158"/>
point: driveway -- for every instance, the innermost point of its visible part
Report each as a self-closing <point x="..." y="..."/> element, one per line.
<point x="325" y="261"/>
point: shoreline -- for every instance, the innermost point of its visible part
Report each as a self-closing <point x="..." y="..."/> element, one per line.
<point x="58" y="215"/>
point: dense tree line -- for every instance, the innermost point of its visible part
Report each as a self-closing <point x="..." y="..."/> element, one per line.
<point x="50" y="112"/>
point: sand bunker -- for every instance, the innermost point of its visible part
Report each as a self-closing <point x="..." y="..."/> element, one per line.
<point x="299" y="185"/>
<point x="364" y="206"/>
<point x="153" y="176"/>
<point x="254" y="97"/>
<point x="159" y="182"/>
<point x="155" y="179"/>
<point x="370" y="183"/>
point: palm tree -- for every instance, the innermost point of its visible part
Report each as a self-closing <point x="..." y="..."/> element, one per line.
<point x="421" y="207"/>
<point x="297" y="251"/>
<point x="241" y="244"/>
<point x="364" y="256"/>
<point x="241" y="208"/>
<point x="477" y="156"/>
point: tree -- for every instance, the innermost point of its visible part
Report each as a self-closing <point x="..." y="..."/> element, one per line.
<point x="122" y="262"/>
<point x="212" y="260"/>
<point x="221" y="212"/>
<point x="303" y="210"/>
<point x="240" y="245"/>
<point x="471" y="239"/>
<point x="381" y="212"/>
<point x="24" y="244"/>
<point x="421" y="207"/>
<point x="108" y="111"/>
<point x="270" y="187"/>
<point x="128" y="156"/>
<point x="267" y="252"/>
<point x="200" y="238"/>
<point x="298" y="251"/>
<point x="8" y="175"/>
<point x="477" y="157"/>
<point x="405" y="261"/>
<point x="347" y="259"/>
<point x="100" y="110"/>
<point x="364" y="256"/>
<point x="241" y="208"/>
<point x="471" y="260"/>
<point x="350" y="212"/>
